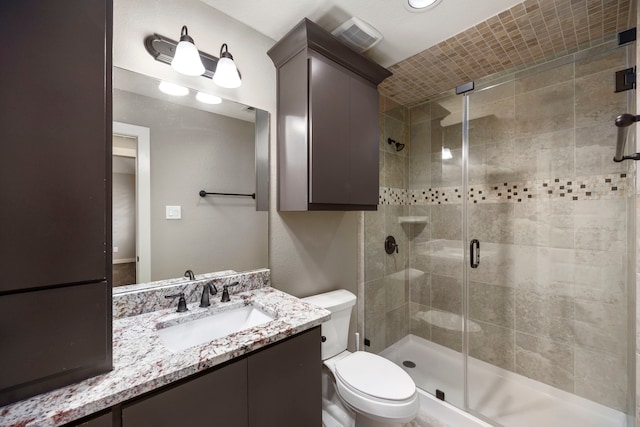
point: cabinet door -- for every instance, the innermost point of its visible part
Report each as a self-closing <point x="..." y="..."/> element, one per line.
<point x="217" y="398"/>
<point x="54" y="182"/>
<point x="364" y="138"/>
<point x="285" y="387"/>
<point x="53" y="337"/>
<point x="329" y="130"/>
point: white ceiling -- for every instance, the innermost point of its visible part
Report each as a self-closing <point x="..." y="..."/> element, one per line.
<point x="405" y="33"/>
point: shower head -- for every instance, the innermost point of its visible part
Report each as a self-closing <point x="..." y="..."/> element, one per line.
<point x="399" y="145"/>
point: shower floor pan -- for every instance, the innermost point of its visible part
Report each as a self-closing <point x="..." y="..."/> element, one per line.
<point x="509" y="399"/>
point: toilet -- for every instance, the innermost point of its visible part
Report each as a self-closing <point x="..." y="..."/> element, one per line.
<point x="374" y="390"/>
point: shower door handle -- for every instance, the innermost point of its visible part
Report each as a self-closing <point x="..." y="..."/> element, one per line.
<point x="474" y="253"/>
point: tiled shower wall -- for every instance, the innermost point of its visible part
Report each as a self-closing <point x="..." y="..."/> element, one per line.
<point x="550" y="209"/>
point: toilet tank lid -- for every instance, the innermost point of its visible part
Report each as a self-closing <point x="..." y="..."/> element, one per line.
<point x="333" y="301"/>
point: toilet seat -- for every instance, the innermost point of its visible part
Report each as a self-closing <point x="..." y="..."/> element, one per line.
<point x="376" y="387"/>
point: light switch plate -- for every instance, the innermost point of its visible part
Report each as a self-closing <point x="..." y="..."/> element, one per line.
<point x="173" y="212"/>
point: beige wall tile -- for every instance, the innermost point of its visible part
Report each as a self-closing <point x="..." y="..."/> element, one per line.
<point x="545" y="155"/>
<point x="541" y="79"/>
<point x="446" y="222"/>
<point x="491" y="222"/>
<point x="544" y="110"/>
<point x="395" y="168"/>
<point x="595" y="147"/>
<point x="544" y="360"/>
<point x="446" y="293"/>
<point x="374" y="299"/>
<point x="492" y="304"/>
<point x="545" y="315"/>
<point x="420" y="288"/>
<point x="596" y="102"/>
<point x="544" y="223"/>
<point x="375" y="329"/>
<point x="447" y="337"/>
<point x="601" y="377"/>
<point x="397" y="324"/>
<point x="493" y="344"/>
<point x="418" y="325"/>
<point x="611" y="60"/>
<point x="491" y="123"/>
<point x="396" y="292"/>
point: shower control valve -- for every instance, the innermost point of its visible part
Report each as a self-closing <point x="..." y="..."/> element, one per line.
<point x="390" y="245"/>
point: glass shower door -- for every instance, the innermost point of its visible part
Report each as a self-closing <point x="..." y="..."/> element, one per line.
<point x="547" y="330"/>
<point x="433" y="351"/>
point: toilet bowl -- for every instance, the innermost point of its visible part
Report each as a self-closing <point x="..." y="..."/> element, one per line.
<point x="375" y="390"/>
<point x="374" y="387"/>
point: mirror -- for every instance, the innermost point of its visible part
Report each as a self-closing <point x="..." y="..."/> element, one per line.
<point x="167" y="149"/>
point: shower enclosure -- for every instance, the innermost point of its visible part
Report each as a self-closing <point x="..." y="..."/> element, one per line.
<point x="512" y="291"/>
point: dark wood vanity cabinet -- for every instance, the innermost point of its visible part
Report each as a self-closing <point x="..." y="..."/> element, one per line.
<point x="55" y="185"/>
<point x="285" y="383"/>
<point x="279" y="385"/>
<point x="328" y="136"/>
<point x="218" y="397"/>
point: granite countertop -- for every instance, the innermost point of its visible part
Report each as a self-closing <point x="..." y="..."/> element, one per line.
<point x="142" y="363"/>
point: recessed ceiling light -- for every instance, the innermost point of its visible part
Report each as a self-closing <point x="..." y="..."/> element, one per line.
<point x="173" y="89"/>
<point x="208" y="99"/>
<point x="421" y="5"/>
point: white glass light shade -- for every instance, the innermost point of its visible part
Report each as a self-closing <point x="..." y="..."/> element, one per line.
<point x="173" y="89"/>
<point x="208" y="99"/>
<point x="226" y="74"/>
<point x="187" y="60"/>
<point x="446" y="154"/>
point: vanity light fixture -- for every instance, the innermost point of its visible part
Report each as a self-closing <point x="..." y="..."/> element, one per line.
<point x="205" y="98"/>
<point x="172" y="89"/>
<point x="226" y="73"/>
<point x="420" y="5"/>
<point x="222" y="70"/>
<point x="446" y="154"/>
<point x="187" y="58"/>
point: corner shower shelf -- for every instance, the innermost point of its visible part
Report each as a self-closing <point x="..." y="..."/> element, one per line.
<point x="413" y="219"/>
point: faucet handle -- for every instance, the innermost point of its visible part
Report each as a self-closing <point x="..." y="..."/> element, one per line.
<point x="225" y="292"/>
<point x="182" y="302"/>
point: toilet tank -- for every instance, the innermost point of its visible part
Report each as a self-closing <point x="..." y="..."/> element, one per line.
<point x="335" y="330"/>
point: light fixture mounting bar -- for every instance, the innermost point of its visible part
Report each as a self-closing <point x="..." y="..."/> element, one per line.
<point x="163" y="49"/>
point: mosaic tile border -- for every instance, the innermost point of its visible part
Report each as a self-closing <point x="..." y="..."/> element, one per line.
<point x="613" y="186"/>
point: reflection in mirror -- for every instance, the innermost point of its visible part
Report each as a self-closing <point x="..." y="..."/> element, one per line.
<point x="189" y="146"/>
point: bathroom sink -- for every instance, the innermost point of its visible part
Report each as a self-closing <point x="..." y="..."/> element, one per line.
<point x="186" y="334"/>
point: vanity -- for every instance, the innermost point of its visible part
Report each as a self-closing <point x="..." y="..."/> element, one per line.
<point x="264" y="375"/>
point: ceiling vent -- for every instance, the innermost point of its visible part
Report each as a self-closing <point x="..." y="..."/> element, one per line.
<point x="357" y="34"/>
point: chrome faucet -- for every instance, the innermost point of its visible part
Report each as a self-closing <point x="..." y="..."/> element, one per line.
<point x="209" y="288"/>
<point x="190" y="275"/>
